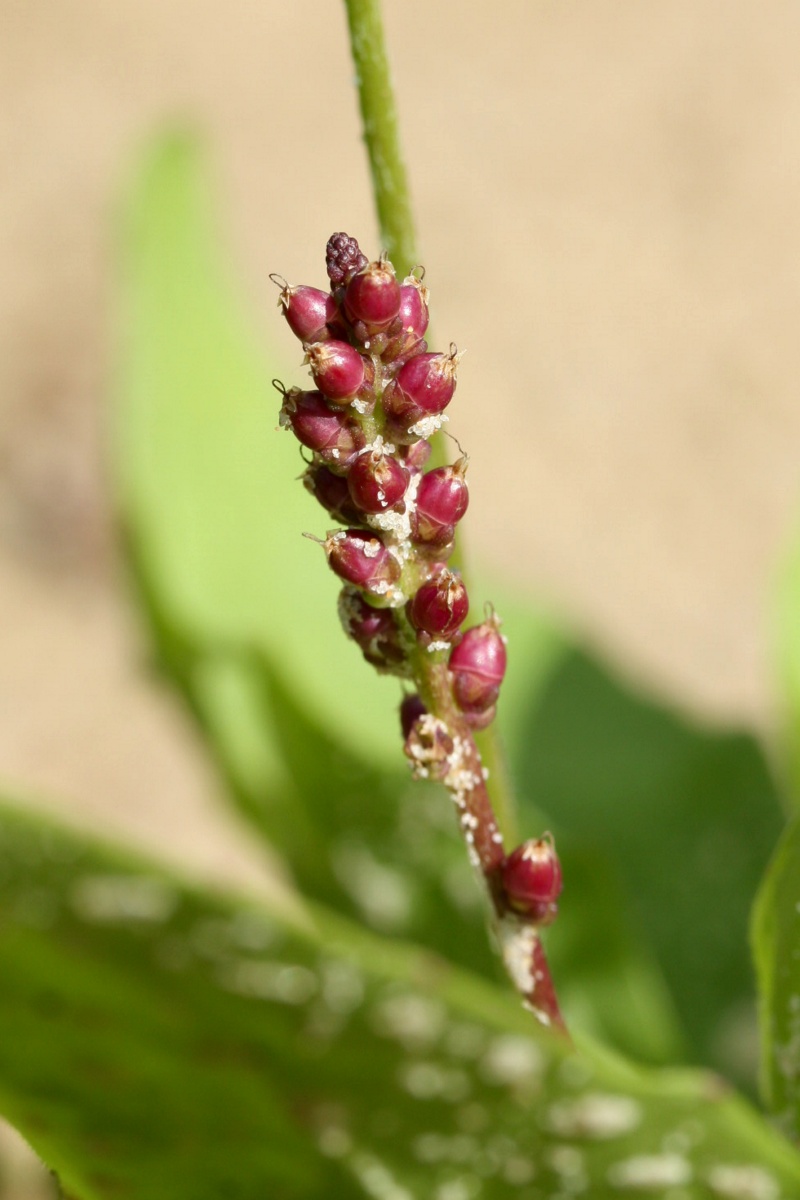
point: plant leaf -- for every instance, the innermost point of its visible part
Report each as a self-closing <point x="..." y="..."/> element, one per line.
<point x="685" y="820"/>
<point x="776" y="947"/>
<point x="208" y="487"/>
<point x="158" y="1042"/>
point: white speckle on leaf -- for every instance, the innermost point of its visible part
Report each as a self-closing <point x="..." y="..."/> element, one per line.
<point x="429" y="1081"/>
<point x="595" y="1115"/>
<point x="436" y="1147"/>
<point x="464" y="1040"/>
<point x="744" y="1182"/>
<point x="511" y="1059"/>
<point x="417" y="1022"/>
<point x="463" y="1188"/>
<point x="382" y="893"/>
<point x="650" y="1172"/>
<point x="342" y="986"/>
<point x="376" y="1178"/>
<point x="133" y="898"/>
<point x="568" y="1163"/>
<point x="287" y="983"/>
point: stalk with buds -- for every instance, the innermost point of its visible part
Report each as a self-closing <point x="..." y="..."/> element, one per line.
<point x="379" y="395"/>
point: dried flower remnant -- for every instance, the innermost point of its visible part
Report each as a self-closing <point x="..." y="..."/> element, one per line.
<point x="378" y="396"/>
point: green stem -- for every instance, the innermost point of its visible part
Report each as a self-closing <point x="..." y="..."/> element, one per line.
<point x="381" y="132"/>
<point x="393" y="203"/>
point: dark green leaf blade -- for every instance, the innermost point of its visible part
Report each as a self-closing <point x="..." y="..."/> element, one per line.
<point x="686" y="820"/>
<point x="776" y="948"/>
<point x="158" y="1042"/>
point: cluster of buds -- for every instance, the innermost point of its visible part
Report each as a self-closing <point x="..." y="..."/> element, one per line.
<point x="378" y="397"/>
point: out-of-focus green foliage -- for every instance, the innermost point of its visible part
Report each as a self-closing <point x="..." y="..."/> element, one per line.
<point x="681" y="820"/>
<point x="161" y="1043"/>
<point x="776" y="944"/>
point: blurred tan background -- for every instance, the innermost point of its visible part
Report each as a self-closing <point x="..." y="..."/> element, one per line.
<point x="608" y="199"/>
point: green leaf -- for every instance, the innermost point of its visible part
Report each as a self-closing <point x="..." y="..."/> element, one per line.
<point x="684" y="818"/>
<point x="786" y="629"/>
<point x="776" y="947"/>
<point x="208" y="484"/>
<point x="157" y="1042"/>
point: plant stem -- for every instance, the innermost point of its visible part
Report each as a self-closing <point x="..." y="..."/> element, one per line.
<point x="393" y="203"/>
<point x="381" y="131"/>
<point x="445" y="748"/>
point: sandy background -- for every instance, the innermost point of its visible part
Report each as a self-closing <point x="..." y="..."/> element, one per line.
<point x="608" y="197"/>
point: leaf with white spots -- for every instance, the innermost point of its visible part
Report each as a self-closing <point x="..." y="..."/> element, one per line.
<point x="776" y="945"/>
<point x="159" y="1043"/>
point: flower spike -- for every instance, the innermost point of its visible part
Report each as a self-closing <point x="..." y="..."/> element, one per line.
<point x="378" y="396"/>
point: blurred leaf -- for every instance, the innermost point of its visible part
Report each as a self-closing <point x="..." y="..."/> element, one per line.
<point x="208" y="484"/>
<point x="776" y="946"/>
<point x="366" y="841"/>
<point x="160" y="1043"/>
<point x="610" y="985"/>
<point x="787" y="665"/>
<point x="685" y="818"/>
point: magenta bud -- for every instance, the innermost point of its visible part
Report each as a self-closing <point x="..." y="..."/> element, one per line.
<point x="411" y="709"/>
<point x="363" y="560"/>
<point x="373" y="296"/>
<point x="441" y="501"/>
<point x="417" y="454"/>
<point x="478" y="664"/>
<point x="481" y="720"/>
<point x="532" y="881"/>
<point x="343" y="258"/>
<point x="413" y="307"/>
<point x="377" y="481"/>
<point x="440" y="605"/>
<point x="332" y="492"/>
<point x="422" y="387"/>
<point x="308" y="311"/>
<point x="374" y="630"/>
<point x="338" y="369"/>
<point x="334" y="437"/>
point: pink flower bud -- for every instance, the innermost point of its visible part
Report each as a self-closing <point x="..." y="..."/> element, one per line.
<point x="411" y="709"/>
<point x="343" y="258"/>
<point x="308" y="311"/>
<point x="414" y="306"/>
<point x="374" y="630"/>
<point x="531" y="880"/>
<point x="417" y="454"/>
<point x="373" y="296"/>
<point x="335" y="437"/>
<point x="478" y="664"/>
<point x="376" y="480"/>
<point x="441" y="501"/>
<point x="422" y="387"/>
<point x="363" y="560"/>
<point x="481" y="720"/>
<point x="440" y="605"/>
<point x="338" y="369"/>
<point x="332" y="492"/>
